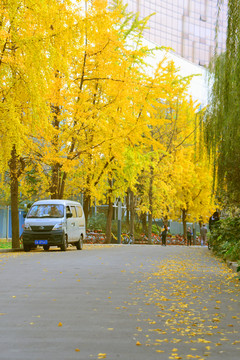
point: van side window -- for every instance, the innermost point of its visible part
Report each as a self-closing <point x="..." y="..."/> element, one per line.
<point x="73" y="211"/>
<point x="79" y="211"/>
<point x="68" y="211"/>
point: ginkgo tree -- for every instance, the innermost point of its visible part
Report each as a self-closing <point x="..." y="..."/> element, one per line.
<point x="95" y="92"/>
<point x="193" y="175"/>
<point x="80" y="110"/>
<point x="22" y="79"/>
<point x="169" y="147"/>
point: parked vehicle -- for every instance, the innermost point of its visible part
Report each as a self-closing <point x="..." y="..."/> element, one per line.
<point x="54" y="223"/>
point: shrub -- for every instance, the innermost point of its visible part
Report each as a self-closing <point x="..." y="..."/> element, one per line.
<point x="225" y="239"/>
<point x="97" y="222"/>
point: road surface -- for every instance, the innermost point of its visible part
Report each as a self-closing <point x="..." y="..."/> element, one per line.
<point x="126" y="302"/>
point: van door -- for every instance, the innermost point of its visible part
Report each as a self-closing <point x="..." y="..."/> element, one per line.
<point x="71" y="223"/>
<point x="81" y="221"/>
<point x="74" y="223"/>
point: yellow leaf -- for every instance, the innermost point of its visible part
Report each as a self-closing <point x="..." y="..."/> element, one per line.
<point x="59" y="324"/>
<point x="102" y="356"/>
<point x="138" y="343"/>
<point x="77" y="350"/>
<point x="203" y="341"/>
<point x="236" y="342"/>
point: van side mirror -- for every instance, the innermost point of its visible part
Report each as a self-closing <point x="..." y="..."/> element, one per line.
<point x="69" y="215"/>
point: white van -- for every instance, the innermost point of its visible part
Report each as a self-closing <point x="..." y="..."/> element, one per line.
<point x="54" y="223"/>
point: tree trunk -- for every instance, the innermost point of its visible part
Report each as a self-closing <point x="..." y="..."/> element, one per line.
<point x="14" y="213"/>
<point x="58" y="181"/>
<point x="109" y="221"/>
<point x="150" y="228"/>
<point x="150" y="197"/>
<point x="143" y="218"/>
<point x="110" y="212"/>
<point x="58" y="178"/>
<point x="86" y="206"/>
<point x="132" y="213"/>
<point x="184" y="221"/>
<point x="16" y="166"/>
<point x="54" y="181"/>
<point x="128" y="209"/>
<point x="62" y="185"/>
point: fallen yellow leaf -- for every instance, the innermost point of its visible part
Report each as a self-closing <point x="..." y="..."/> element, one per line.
<point x="60" y="324"/>
<point x="102" y="356"/>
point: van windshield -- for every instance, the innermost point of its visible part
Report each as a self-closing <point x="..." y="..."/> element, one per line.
<point x="46" y="211"/>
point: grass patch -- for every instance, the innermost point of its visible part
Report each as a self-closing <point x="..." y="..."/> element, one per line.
<point x="5" y="244"/>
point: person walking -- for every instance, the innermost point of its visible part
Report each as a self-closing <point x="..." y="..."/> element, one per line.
<point x="164" y="235"/>
<point x="213" y="221"/>
<point x="203" y="233"/>
<point x="189" y="236"/>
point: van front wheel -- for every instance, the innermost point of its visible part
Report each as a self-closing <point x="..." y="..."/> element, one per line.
<point x="65" y="243"/>
<point x="79" y="244"/>
<point x="26" y="247"/>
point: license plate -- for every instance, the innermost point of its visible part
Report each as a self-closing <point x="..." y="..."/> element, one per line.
<point x="41" y="242"/>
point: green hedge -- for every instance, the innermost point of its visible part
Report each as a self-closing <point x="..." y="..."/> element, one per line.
<point x="225" y="239"/>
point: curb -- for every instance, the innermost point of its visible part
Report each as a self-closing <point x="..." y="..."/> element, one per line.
<point x="10" y="250"/>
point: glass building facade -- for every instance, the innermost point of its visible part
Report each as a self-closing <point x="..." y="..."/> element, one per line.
<point x="186" y="26"/>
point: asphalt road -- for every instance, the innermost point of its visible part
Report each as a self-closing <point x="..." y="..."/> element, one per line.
<point x="118" y="302"/>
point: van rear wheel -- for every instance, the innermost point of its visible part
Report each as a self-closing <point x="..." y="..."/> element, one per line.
<point x="79" y="244"/>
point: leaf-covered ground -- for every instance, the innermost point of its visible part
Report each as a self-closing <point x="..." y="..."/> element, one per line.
<point x="188" y="310"/>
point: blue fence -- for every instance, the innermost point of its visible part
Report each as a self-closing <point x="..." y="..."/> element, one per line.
<point x="6" y="222"/>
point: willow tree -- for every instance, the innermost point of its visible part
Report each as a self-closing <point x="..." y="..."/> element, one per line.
<point x="222" y="123"/>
